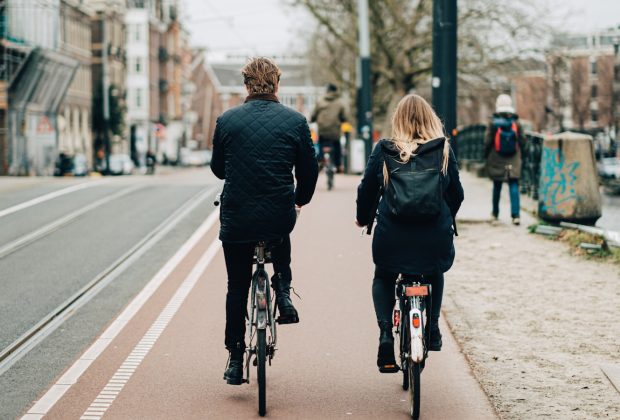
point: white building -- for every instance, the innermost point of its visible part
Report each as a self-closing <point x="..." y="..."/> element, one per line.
<point x="137" y="83"/>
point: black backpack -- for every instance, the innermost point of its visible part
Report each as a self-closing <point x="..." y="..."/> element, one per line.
<point x="414" y="191"/>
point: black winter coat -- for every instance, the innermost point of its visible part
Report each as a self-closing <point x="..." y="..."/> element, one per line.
<point x="410" y="248"/>
<point x="256" y="146"/>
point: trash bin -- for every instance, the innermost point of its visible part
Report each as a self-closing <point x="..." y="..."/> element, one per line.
<point x="569" y="187"/>
<point x="357" y="157"/>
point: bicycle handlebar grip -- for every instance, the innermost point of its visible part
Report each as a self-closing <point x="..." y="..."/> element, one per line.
<point x="217" y="200"/>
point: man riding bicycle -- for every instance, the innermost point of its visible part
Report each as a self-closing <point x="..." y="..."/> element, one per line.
<point x="329" y="114"/>
<point x="256" y="146"/>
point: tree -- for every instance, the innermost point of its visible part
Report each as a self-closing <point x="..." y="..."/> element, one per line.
<point x="491" y="35"/>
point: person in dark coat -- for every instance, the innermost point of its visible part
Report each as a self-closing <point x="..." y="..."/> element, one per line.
<point x="502" y="167"/>
<point x="405" y="246"/>
<point x="256" y="147"/>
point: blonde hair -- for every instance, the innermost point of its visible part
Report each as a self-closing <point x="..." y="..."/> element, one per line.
<point x="414" y="123"/>
<point x="261" y="75"/>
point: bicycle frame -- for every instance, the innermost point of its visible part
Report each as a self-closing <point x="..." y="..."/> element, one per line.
<point x="261" y="315"/>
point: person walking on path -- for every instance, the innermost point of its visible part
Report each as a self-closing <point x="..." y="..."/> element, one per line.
<point x="256" y="147"/>
<point x="504" y="142"/>
<point x="417" y="169"/>
<point x="329" y="114"/>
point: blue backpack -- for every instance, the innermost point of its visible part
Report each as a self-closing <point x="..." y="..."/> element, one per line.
<point x="506" y="136"/>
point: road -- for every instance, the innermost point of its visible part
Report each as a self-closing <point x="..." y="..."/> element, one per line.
<point x="611" y="212"/>
<point x="150" y="343"/>
<point x="44" y="265"/>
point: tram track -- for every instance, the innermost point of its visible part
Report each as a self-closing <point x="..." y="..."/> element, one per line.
<point x="49" y="323"/>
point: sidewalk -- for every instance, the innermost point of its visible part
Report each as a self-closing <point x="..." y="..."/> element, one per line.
<point x="324" y="368"/>
<point x="536" y="323"/>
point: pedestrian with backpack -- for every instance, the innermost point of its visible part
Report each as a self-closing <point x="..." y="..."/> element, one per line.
<point x="503" y="145"/>
<point x="416" y="177"/>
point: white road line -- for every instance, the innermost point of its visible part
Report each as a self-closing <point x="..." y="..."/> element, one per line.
<point x="164" y="317"/>
<point x="51" y="196"/>
<point x="55" y="225"/>
<point x="53" y="395"/>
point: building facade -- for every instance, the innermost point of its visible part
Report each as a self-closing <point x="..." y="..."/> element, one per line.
<point x="297" y="88"/>
<point x="109" y="75"/>
<point x="75" y="114"/>
<point x="36" y="72"/>
<point x="206" y="104"/>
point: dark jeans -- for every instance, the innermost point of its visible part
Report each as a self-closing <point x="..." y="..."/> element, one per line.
<point x="513" y="186"/>
<point x="238" y="258"/>
<point x="384" y="297"/>
<point x="336" y="150"/>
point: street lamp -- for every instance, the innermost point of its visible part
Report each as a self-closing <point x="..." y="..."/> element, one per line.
<point x="364" y="93"/>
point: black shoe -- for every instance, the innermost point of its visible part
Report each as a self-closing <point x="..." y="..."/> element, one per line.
<point x="435" y="342"/>
<point x="287" y="312"/>
<point x="234" y="372"/>
<point x="385" y="356"/>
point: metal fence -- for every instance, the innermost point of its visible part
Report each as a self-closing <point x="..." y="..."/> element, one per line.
<point x="470" y="141"/>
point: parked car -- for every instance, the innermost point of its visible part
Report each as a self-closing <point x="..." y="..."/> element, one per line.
<point x="120" y="164"/>
<point x="71" y="165"/>
<point x="609" y="173"/>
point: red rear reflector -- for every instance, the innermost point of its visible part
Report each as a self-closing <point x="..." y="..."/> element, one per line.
<point x="416" y="291"/>
<point x="416" y="321"/>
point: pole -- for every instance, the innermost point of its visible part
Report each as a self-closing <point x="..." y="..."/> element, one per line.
<point x="106" y="92"/>
<point x="444" y="81"/>
<point x="615" y="97"/>
<point x="364" y="93"/>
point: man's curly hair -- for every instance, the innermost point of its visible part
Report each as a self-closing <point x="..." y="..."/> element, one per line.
<point x="261" y="75"/>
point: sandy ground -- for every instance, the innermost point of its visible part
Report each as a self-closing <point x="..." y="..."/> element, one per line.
<point x="535" y="322"/>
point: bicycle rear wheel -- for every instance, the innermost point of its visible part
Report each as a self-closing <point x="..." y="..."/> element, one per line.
<point x="261" y="355"/>
<point x="414" y="389"/>
<point x="404" y="349"/>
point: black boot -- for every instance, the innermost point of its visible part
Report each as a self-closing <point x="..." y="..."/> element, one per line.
<point x="286" y="310"/>
<point x="435" y="342"/>
<point x="385" y="356"/>
<point x="234" y="372"/>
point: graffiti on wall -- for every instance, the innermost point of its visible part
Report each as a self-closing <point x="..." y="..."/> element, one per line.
<point x="557" y="183"/>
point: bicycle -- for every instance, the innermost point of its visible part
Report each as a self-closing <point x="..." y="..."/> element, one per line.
<point x="329" y="166"/>
<point x="262" y="346"/>
<point x="410" y="321"/>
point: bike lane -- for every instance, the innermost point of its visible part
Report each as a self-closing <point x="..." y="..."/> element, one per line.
<point x="324" y="366"/>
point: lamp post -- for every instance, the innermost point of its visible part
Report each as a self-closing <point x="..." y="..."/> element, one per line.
<point x="364" y="92"/>
<point x="444" y="81"/>
<point x="615" y="97"/>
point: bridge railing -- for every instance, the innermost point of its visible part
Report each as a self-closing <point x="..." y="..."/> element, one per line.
<point x="470" y="141"/>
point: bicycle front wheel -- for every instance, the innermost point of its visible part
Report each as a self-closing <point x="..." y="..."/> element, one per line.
<point x="261" y="355"/>
<point x="414" y="389"/>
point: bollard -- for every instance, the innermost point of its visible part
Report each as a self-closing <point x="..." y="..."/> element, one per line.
<point x="568" y="189"/>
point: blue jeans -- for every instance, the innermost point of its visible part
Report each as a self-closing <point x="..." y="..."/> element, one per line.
<point x="513" y="186"/>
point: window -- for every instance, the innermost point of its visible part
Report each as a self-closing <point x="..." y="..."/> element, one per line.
<point x="137" y="32"/>
<point x="594" y="115"/>
<point x="594" y="91"/>
<point x="138" y="65"/>
<point x="593" y="68"/>
<point x="138" y="98"/>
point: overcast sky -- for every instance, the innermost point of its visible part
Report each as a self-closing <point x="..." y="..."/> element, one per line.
<point x="268" y="27"/>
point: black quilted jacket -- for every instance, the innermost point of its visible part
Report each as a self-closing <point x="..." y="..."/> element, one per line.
<point x="255" y="148"/>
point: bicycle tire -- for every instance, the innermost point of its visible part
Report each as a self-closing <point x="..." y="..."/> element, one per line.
<point x="261" y="355"/>
<point x="404" y="348"/>
<point x="414" y="390"/>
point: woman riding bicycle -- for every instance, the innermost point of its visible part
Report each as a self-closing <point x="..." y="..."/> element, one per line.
<point x="410" y="245"/>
